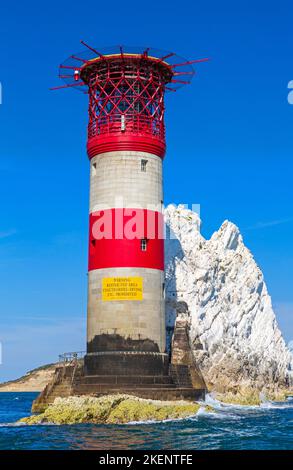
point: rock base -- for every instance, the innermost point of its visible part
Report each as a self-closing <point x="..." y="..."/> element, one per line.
<point x="111" y="409"/>
<point x="141" y="374"/>
<point x="71" y="381"/>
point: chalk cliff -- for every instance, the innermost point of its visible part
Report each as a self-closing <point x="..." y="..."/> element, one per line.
<point x="218" y="286"/>
<point x="33" y="381"/>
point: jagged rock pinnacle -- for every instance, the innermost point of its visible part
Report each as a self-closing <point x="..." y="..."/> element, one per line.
<point x="233" y="328"/>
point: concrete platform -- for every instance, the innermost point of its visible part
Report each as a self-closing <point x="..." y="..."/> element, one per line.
<point x="179" y="379"/>
<point x="71" y="381"/>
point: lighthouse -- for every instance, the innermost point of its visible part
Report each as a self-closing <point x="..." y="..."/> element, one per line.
<point x="126" y="148"/>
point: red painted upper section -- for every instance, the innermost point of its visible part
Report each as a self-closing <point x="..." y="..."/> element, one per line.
<point x="126" y="103"/>
<point x="115" y="239"/>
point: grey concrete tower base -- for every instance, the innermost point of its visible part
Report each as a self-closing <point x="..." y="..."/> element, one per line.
<point x="126" y="337"/>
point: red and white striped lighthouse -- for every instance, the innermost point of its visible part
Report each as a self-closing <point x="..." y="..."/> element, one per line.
<point x="126" y="147"/>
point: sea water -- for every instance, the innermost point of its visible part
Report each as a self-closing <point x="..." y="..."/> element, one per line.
<point x="269" y="426"/>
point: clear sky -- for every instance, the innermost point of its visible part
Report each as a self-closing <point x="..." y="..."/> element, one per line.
<point x="230" y="149"/>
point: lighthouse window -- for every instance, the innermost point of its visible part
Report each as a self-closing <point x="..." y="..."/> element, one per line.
<point x="143" y="165"/>
<point x="143" y="244"/>
<point x="94" y="169"/>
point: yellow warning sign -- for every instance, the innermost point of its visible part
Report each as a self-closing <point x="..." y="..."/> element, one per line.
<point x="122" y="288"/>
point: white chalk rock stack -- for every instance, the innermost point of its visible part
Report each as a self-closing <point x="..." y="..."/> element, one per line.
<point x="233" y="329"/>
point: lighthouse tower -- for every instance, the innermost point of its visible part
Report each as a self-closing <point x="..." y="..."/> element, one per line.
<point x="126" y="147"/>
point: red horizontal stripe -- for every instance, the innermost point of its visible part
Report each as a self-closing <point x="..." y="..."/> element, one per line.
<point x="123" y="142"/>
<point x="113" y="244"/>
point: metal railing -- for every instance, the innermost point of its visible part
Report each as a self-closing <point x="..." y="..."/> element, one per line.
<point x="70" y="358"/>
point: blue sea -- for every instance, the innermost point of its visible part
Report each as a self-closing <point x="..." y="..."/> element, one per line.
<point x="269" y="426"/>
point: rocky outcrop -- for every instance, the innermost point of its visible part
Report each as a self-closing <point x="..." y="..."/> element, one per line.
<point x="233" y="330"/>
<point x="111" y="409"/>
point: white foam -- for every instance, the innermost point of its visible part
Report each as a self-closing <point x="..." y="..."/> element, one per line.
<point x="269" y="405"/>
<point x="154" y="421"/>
<point x="12" y="425"/>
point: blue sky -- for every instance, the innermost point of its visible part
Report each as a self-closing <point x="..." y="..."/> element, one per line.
<point x="229" y="137"/>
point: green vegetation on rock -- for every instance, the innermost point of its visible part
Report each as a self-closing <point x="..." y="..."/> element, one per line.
<point x="277" y="395"/>
<point x="246" y="397"/>
<point x="209" y="409"/>
<point x="253" y="396"/>
<point x="111" y="409"/>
